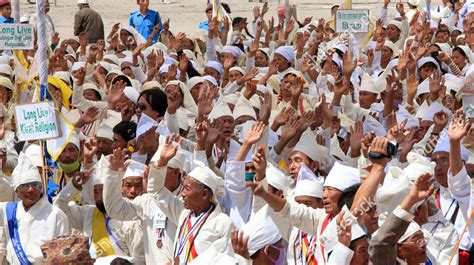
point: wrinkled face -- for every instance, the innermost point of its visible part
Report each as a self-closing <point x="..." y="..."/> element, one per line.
<point x="193" y="195"/>
<point x="234" y="75"/>
<point x="119" y="142"/>
<point x="386" y="53"/>
<point x="413" y="249"/>
<point x="459" y="59"/>
<point x="295" y="162"/>
<point x="283" y="63"/>
<point x="212" y="72"/>
<point x="69" y="155"/>
<point x="29" y="193"/>
<point x="132" y="187"/>
<point x="98" y="189"/>
<point x="442" y="166"/>
<point x="104" y="146"/>
<point x="330" y="198"/>
<point x="310" y="201"/>
<point x="226" y="125"/>
<point x="366" y="99"/>
<point x="91" y="95"/>
<point x="393" y="33"/>
<point x="261" y="59"/>
<point x="361" y="251"/>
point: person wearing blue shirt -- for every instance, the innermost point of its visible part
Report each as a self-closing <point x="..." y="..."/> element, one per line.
<point x="6" y="9"/>
<point x="144" y="20"/>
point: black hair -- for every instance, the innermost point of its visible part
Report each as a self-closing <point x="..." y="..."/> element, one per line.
<point x="120" y="261"/>
<point x="126" y="129"/>
<point x="461" y="51"/>
<point x="157" y="100"/>
<point x="347" y="196"/>
<point x="226" y="7"/>
<point x="236" y="21"/>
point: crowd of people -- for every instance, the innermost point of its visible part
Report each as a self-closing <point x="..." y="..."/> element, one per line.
<point x="259" y="140"/>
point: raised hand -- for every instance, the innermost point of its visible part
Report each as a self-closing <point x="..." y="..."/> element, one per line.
<point x="228" y="61"/>
<point x="356" y="134"/>
<point x="379" y="145"/>
<point x="202" y="131"/>
<point x="291" y="128"/>
<point x="459" y="126"/>
<point x="90" y="115"/>
<point x="254" y="134"/>
<point x="344" y="230"/>
<point x="168" y="151"/>
<point x="116" y="92"/>
<point x="248" y="76"/>
<point x="440" y="120"/>
<point x="183" y="64"/>
<point x="260" y="162"/>
<point x="436" y="82"/>
<point x="240" y="243"/>
<point x="265" y="108"/>
<point x="422" y="188"/>
<point x="117" y="160"/>
<point x="284" y="116"/>
<point x="214" y="133"/>
<point x="204" y="103"/>
<point x="90" y="149"/>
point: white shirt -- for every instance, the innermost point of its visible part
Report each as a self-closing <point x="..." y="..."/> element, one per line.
<point x="34" y="228"/>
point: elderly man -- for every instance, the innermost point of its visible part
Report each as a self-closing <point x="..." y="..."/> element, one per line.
<point x="159" y="233"/>
<point x="109" y="236"/>
<point x="89" y="21"/>
<point x="29" y="220"/>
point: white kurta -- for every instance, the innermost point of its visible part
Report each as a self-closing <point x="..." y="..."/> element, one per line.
<point x="128" y="233"/>
<point x="215" y="231"/>
<point x="442" y="239"/>
<point x="145" y="209"/>
<point x="42" y="222"/>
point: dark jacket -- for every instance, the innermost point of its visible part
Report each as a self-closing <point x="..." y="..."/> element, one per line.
<point x="89" y="21"/>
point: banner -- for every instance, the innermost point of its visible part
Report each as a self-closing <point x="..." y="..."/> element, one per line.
<point x="36" y="121"/>
<point x="16" y="37"/>
<point x="352" y="20"/>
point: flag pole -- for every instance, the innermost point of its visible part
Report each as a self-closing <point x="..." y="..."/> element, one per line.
<point x="42" y="54"/>
<point x="16" y="11"/>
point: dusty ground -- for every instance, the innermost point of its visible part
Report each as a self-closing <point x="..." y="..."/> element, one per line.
<point x="185" y="15"/>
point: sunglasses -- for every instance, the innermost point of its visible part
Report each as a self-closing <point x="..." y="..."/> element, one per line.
<point x="37" y="185"/>
<point x="141" y="106"/>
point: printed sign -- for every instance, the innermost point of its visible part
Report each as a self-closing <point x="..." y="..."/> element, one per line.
<point x="36" y="121"/>
<point x="16" y="37"/>
<point x="352" y="20"/>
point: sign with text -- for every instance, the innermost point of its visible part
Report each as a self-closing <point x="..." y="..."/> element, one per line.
<point x="16" y="37"/>
<point x="36" y="121"/>
<point x="352" y="20"/>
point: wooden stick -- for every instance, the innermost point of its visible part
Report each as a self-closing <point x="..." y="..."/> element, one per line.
<point x="460" y="237"/>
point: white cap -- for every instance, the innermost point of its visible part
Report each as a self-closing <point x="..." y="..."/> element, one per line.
<point x="335" y="149"/>
<point x="342" y="177"/>
<point x="24" y="172"/>
<point x="206" y="176"/>
<point x="135" y="169"/>
<point x="288" y="52"/>
<point x="418" y="165"/>
<point x="101" y="169"/>
<point x="395" y="188"/>
<point x="131" y="93"/>
<point x="82" y="1"/>
<point x="238" y="69"/>
<point x="178" y="160"/>
<point x="261" y="231"/>
<point x="308" y="146"/>
<point x="396" y="23"/>
<point x="393" y="47"/>
<point x="414" y="2"/>
<point x="371" y="124"/>
<point x="220" y="109"/>
<point x="92" y="86"/>
<point x="444" y="145"/>
<point x="193" y="81"/>
<point x="368" y="84"/>
<point x="433" y="108"/>
<point x="25" y="18"/>
<point x="106" y="127"/>
<point x="144" y="124"/>
<point x="244" y="108"/>
<point x="211" y="79"/>
<point x="308" y="184"/>
<point x="425" y="60"/>
<point x="33" y="152"/>
<point x="276" y="178"/>
<point x="403" y="114"/>
<point x="413" y="227"/>
<point x="215" y="65"/>
<point x="6" y="69"/>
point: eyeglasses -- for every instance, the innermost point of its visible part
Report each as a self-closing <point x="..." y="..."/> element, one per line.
<point x="35" y="185"/>
<point x="419" y="242"/>
<point x="141" y="106"/>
